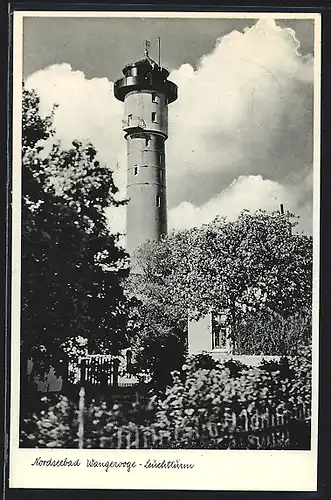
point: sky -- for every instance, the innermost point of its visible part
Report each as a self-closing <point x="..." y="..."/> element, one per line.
<point x="241" y="131"/>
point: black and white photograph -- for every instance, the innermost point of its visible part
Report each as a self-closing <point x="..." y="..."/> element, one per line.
<point x="165" y="244"/>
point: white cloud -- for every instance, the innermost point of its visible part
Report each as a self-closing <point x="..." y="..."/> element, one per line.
<point x="87" y="111"/>
<point x="245" y="113"/>
<point x="250" y="93"/>
<point x="246" y="192"/>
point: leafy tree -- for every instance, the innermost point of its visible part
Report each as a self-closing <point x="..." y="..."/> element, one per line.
<point x="156" y="341"/>
<point x="256" y="267"/>
<point x="72" y="266"/>
<point x="255" y="261"/>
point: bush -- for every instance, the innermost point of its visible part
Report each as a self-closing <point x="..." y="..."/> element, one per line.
<point x="219" y="394"/>
<point x="208" y="403"/>
<point x="271" y="334"/>
<point x="55" y="425"/>
<point x="204" y="361"/>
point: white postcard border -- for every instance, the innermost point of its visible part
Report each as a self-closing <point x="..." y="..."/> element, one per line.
<point x="213" y="470"/>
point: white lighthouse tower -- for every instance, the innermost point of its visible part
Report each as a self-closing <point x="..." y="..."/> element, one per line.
<point x="146" y="93"/>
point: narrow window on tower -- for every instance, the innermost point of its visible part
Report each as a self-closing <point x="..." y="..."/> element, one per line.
<point x="158" y="200"/>
<point x="135" y="170"/>
<point x="161" y="175"/>
<point x="154" y="117"/>
<point x="155" y="98"/>
<point x="129" y="119"/>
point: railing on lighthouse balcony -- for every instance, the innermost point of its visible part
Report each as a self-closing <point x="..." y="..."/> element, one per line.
<point x="133" y="122"/>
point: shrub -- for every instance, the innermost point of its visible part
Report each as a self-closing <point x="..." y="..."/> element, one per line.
<point x="207" y="404"/>
<point x="271" y="334"/>
<point x="55" y="425"/>
<point x="218" y="395"/>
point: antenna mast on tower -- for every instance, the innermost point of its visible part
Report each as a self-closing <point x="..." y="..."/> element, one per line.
<point x="147" y="44"/>
<point x="159" y="50"/>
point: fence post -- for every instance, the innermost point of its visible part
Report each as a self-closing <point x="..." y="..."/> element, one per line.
<point x="119" y="438"/>
<point x="115" y="372"/>
<point x="137" y="436"/>
<point x="233" y="422"/>
<point x="81" y="418"/>
<point x="145" y="440"/>
<point x="82" y="371"/>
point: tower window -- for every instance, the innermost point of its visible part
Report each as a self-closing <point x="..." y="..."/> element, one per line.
<point x="154" y="117"/>
<point x="135" y="170"/>
<point x="161" y="175"/>
<point x="155" y="98"/>
<point x="129" y="119"/>
<point x="158" y="201"/>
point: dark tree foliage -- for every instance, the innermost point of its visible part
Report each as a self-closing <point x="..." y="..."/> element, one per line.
<point x="72" y="266"/>
<point x="157" y="339"/>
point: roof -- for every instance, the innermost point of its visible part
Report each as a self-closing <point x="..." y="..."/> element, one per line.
<point x="146" y="61"/>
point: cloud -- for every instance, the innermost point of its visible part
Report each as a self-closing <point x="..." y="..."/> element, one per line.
<point x="243" y="110"/>
<point x="240" y="133"/>
<point x="87" y="111"/>
<point x="247" y="192"/>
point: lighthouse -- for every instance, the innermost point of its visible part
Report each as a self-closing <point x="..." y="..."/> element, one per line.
<point x="146" y="92"/>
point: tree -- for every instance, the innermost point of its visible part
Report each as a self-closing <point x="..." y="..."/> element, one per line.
<point x="72" y="265"/>
<point x="270" y="334"/>
<point x="255" y="265"/>
<point x="156" y="340"/>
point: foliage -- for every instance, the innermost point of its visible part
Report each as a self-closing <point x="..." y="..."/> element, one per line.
<point x="204" y="361"/>
<point x="157" y="339"/>
<point x="272" y="334"/>
<point x="214" y="395"/>
<point x="256" y="267"/>
<point x="301" y="381"/>
<point x="206" y="392"/>
<point x="54" y="425"/>
<point x="72" y="265"/>
<point x="253" y="262"/>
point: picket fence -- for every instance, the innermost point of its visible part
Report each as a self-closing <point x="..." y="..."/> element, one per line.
<point x="98" y="370"/>
<point x="103" y="371"/>
<point x="269" y="429"/>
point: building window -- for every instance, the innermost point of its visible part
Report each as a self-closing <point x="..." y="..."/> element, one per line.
<point x="161" y="175"/>
<point x="135" y="170"/>
<point x="158" y="201"/>
<point x="129" y="119"/>
<point x="219" y="338"/>
<point x="161" y="159"/>
<point x="154" y="117"/>
<point x="219" y="331"/>
<point x="155" y="98"/>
